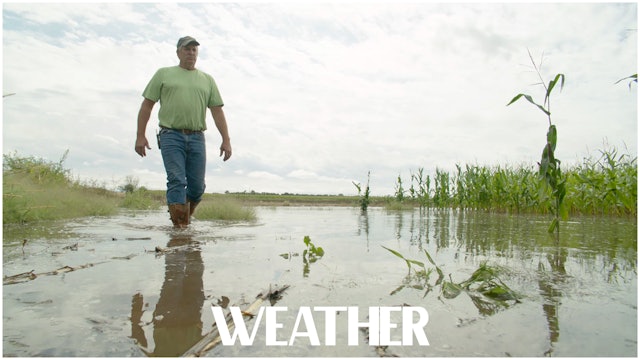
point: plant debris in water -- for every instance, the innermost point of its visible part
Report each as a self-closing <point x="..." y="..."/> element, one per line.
<point x="487" y="292"/>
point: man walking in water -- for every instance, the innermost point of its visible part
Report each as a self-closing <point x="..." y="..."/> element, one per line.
<point x="185" y="93"/>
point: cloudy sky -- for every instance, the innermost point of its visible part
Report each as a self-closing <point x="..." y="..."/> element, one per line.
<point x="318" y="94"/>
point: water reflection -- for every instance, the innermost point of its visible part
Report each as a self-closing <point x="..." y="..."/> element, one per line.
<point x="363" y="226"/>
<point x="176" y="323"/>
<point x="549" y="283"/>
<point x="594" y="251"/>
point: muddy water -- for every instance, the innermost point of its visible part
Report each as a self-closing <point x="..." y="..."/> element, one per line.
<point x="578" y="297"/>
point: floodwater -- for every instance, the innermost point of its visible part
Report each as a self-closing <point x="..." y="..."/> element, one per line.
<point x="578" y="297"/>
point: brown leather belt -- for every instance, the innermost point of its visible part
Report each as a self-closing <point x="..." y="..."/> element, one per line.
<point x="184" y="131"/>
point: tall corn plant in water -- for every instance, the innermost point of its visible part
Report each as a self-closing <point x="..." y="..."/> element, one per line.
<point x="364" y="197"/>
<point x="424" y="188"/>
<point x="549" y="165"/>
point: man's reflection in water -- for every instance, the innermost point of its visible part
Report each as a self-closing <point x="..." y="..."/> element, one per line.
<point x="176" y="320"/>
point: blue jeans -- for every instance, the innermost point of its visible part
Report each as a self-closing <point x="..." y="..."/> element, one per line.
<point x="185" y="159"/>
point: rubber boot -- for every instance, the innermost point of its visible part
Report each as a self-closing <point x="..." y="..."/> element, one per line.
<point x="192" y="208"/>
<point x="179" y="214"/>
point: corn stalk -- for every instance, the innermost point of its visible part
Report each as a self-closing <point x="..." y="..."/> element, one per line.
<point x="549" y="165"/>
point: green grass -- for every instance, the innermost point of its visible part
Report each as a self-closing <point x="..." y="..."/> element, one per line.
<point x="35" y="189"/>
<point x="38" y="190"/>
<point x="271" y="199"/>
<point x="223" y="208"/>
<point x="142" y="199"/>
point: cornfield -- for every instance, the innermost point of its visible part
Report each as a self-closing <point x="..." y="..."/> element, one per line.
<point x="603" y="186"/>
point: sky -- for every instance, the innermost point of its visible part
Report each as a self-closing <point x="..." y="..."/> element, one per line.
<point x="317" y="95"/>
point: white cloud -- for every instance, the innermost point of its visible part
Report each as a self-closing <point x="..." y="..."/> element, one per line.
<point x="263" y="175"/>
<point x="318" y="94"/>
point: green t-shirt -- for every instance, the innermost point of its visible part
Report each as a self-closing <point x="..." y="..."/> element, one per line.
<point x="184" y="95"/>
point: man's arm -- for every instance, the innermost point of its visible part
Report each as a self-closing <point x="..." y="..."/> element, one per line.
<point x="221" y="124"/>
<point x="143" y="118"/>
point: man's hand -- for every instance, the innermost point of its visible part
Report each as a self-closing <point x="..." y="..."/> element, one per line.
<point x="225" y="149"/>
<point x="141" y="145"/>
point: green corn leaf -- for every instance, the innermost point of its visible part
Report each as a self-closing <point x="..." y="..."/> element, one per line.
<point x="553" y="226"/>
<point x="429" y="258"/>
<point x="634" y="78"/>
<point x="397" y="290"/>
<point x="552" y="84"/>
<point x="400" y="256"/>
<point x="394" y="253"/>
<point x="515" y="99"/>
<point x="552" y="137"/>
<point x="530" y="99"/>
<point x="500" y="293"/>
<point x="544" y="161"/>
<point x="450" y="290"/>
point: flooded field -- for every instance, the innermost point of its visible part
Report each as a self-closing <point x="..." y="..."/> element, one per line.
<point x="98" y="286"/>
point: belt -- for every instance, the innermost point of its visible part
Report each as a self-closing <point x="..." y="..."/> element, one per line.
<point x="184" y="131"/>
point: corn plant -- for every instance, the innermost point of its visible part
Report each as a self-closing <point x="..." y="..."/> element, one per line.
<point x="549" y="165"/>
<point x="607" y="185"/>
<point x="310" y="255"/>
<point x="423" y="184"/>
<point x="487" y="292"/>
<point x="633" y="79"/>
<point x="442" y="194"/>
<point x="399" y="190"/>
<point x="364" y="197"/>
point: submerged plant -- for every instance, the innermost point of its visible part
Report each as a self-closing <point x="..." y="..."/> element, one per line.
<point x="549" y="165"/>
<point x="310" y="255"/>
<point x="420" y="278"/>
<point x="312" y="252"/>
<point x="485" y="289"/>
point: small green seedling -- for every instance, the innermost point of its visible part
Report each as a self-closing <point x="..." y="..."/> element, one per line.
<point x="312" y="253"/>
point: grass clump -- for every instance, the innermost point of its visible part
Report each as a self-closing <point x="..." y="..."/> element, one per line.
<point x="140" y="199"/>
<point x="35" y="189"/>
<point x="224" y="209"/>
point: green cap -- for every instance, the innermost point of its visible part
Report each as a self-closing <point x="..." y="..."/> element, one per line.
<point x="184" y="41"/>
